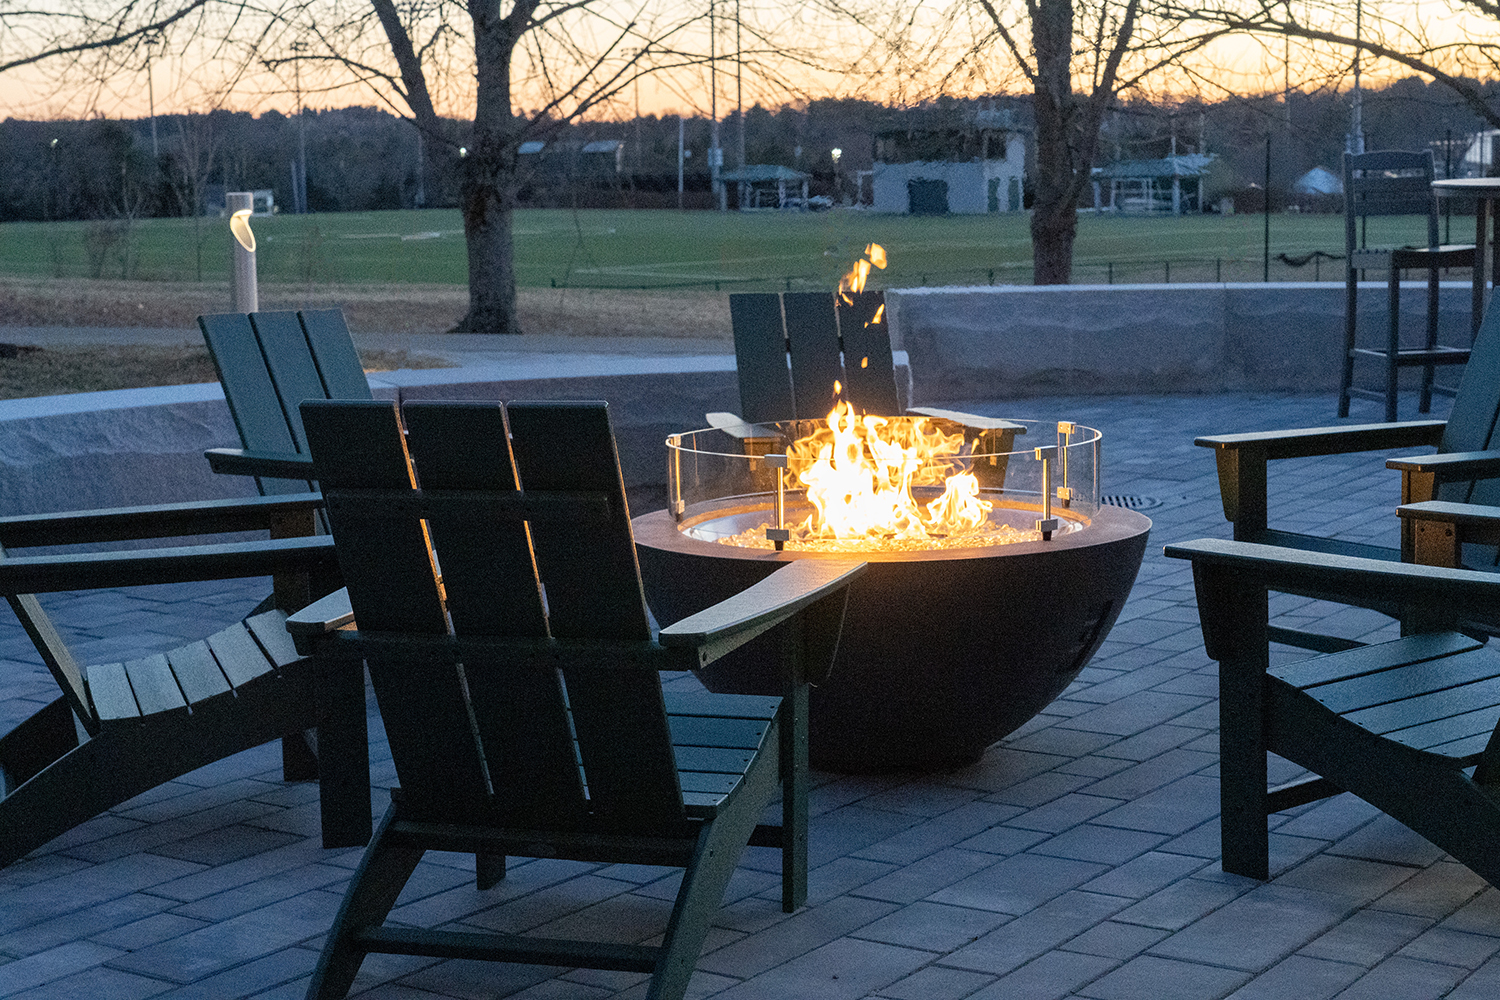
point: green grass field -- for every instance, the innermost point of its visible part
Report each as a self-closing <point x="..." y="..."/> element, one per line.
<point x="649" y="249"/>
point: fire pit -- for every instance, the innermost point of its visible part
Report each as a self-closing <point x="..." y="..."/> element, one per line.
<point x="998" y="580"/>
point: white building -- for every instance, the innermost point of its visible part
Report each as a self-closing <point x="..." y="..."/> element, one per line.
<point x="965" y="171"/>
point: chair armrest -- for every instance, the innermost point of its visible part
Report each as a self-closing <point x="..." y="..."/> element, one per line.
<point x="737" y="427"/>
<point x="271" y="465"/>
<point x="1440" y="530"/>
<point x="1451" y="466"/>
<point x="327" y="614"/>
<point x="1459" y="592"/>
<point x="1242" y="459"/>
<point x="156" y="521"/>
<point x="1304" y="442"/>
<point x="178" y="564"/>
<point x="969" y="419"/>
<point x="1467" y="514"/>
<point x="735" y="621"/>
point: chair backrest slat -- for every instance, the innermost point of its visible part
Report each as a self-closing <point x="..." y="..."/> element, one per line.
<point x="489" y="576"/>
<point x="1472" y="420"/>
<point x="812" y="330"/>
<point x="869" y="366"/>
<point x="760" y="349"/>
<point x="388" y="567"/>
<point x="291" y="365"/>
<point x="593" y="590"/>
<point x="333" y="349"/>
<point x="248" y="387"/>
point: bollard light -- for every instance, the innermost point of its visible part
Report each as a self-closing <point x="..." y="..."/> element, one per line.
<point x="246" y="294"/>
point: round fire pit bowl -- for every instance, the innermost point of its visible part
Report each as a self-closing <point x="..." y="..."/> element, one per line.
<point x="943" y="651"/>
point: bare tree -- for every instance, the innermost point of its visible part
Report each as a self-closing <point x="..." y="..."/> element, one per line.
<point x="567" y="58"/>
<point x="1430" y="46"/>
<point x="1078" y="58"/>
<point x="191" y="163"/>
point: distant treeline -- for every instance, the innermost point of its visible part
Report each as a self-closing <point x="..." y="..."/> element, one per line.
<point x="360" y="159"/>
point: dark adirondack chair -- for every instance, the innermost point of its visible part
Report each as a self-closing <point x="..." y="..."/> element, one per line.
<point x="1464" y="470"/>
<point x="268" y="362"/>
<point x="1397" y="723"/>
<point x="119" y="729"/>
<point x="520" y="692"/>
<point x="790" y="349"/>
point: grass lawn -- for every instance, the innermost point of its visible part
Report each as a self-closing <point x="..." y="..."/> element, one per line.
<point x="668" y="249"/>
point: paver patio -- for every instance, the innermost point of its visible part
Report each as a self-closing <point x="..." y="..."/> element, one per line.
<point x="1079" y="857"/>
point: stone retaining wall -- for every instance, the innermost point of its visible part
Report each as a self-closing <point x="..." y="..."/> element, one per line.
<point x="145" y="446"/>
<point x="1007" y="342"/>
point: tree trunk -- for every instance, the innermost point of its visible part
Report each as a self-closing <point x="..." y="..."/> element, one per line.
<point x="488" y="210"/>
<point x="488" y="189"/>
<point x="1054" y="220"/>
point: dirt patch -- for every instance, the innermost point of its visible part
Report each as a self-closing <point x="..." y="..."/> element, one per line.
<point x="368" y="308"/>
<point x="33" y="371"/>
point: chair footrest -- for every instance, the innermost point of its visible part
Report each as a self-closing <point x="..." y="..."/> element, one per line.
<point x="508" y="948"/>
<point x="1418" y="355"/>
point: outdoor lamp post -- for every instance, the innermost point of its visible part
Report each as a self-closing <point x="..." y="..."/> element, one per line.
<point x="836" y="153"/>
<point x="246" y="296"/>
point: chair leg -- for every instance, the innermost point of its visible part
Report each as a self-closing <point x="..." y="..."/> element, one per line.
<point x="794" y="799"/>
<point x="1351" y="297"/>
<point x="720" y="844"/>
<point x="1429" y="369"/>
<point x="1393" y="345"/>
<point x="299" y="761"/>
<point x="489" y="870"/>
<point x="382" y="874"/>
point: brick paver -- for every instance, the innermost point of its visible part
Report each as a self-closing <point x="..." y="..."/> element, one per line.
<point x="1079" y="857"/>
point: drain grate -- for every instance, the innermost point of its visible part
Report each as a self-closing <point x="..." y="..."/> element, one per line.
<point x="1130" y="502"/>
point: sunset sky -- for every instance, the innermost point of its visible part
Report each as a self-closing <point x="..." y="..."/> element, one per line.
<point x="197" y="80"/>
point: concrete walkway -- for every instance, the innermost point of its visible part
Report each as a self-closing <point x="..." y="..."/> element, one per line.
<point x="1079" y="857"/>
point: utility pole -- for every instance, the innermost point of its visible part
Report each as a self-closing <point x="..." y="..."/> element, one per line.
<point x="299" y="169"/>
<point x="715" y="151"/>
<point x="739" y="86"/>
<point x="1356" y="143"/>
<point x="681" y="156"/>
<point x="151" y="44"/>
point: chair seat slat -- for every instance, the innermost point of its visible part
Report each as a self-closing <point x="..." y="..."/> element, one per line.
<point x="726" y="733"/>
<point x="269" y="629"/>
<point x="1428" y="707"/>
<point x="719" y="759"/>
<point x="1309" y="673"/>
<point x="109" y="688"/>
<point x="1405" y="682"/>
<point x="239" y="655"/>
<point x="1440" y="733"/>
<point x="198" y="673"/>
<point x="721" y="706"/>
<point x="154" y="686"/>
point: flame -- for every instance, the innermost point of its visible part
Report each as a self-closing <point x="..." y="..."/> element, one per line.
<point x="854" y="281"/>
<point x="859" y="472"/>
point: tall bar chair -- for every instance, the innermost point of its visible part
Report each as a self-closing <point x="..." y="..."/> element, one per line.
<point x="1384" y="183"/>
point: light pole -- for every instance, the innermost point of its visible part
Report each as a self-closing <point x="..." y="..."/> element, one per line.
<point x="242" y="243"/>
<point x="151" y="43"/>
<point x="836" y="153"/>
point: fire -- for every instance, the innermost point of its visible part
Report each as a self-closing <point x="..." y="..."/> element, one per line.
<point x="854" y="281"/>
<point x="860" y="471"/>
